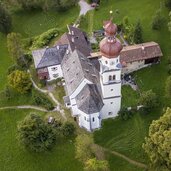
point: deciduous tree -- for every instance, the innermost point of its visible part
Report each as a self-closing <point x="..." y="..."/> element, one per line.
<point x="14" y="44"/>
<point x="83" y="147"/>
<point x="148" y="99"/>
<point x="158" y="143"/>
<point x="37" y="135"/>
<point x="20" y="81"/>
<point x="96" y="165"/>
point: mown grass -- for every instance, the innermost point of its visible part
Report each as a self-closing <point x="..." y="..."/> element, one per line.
<point x="15" y="158"/>
<point x="127" y="136"/>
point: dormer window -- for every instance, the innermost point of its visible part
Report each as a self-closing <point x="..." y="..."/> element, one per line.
<point x="106" y="62"/>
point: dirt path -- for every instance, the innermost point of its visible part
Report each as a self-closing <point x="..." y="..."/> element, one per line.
<point x="25" y="107"/>
<point x="136" y="163"/>
<point x="58" y="105"/>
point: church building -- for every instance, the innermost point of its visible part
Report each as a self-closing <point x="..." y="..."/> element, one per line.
<point x="92" y="81"/>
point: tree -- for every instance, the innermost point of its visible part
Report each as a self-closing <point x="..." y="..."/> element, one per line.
<point x="125" y="114"/>
<point x="14" y="44"/>
<point x="158" y="143"/>
<point x="148" y="99"/>
<point x="157" y="20"/>
<point x="169" y="23"/>
<point x="83" y="147"/>
<point x="68" y="129"/>
<point x="138" y="33"/>
<point x="20" y="81"/>
<point x="168" y="3"/>
<point x="168" y="87"/>
<point x="96" y="165"/>
<point x="37" y="135"/>
<point x="5" y="20"/>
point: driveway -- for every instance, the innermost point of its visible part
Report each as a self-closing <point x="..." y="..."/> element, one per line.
<point x="84" y="7"/>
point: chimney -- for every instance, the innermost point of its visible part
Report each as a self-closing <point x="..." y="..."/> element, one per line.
<point x="72" y="32"/>
<point x="142" y="47"/>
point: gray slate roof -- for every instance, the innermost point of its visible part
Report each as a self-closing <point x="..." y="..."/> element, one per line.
<point x="49" y="56"/>
<point x="76" y="67"/>
<point x="77" y="39"/>
<point x="89" y="100"/>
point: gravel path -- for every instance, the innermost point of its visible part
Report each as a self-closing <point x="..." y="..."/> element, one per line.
<point x="58" y="105"/>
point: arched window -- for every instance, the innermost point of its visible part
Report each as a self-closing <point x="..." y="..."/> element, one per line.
<point x="110" y="78"/>
<point x="114" y="77"/>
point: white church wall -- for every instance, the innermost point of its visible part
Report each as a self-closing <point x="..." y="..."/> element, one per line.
<point x="111" y="90"/>
<point x="55" y="72"/>
<point x="111" y="107"/>
<point x="89" y="121"/>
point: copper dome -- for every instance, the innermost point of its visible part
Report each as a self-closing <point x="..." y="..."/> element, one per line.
<point x="110" y="28"/>
<point x="110" y="48"/>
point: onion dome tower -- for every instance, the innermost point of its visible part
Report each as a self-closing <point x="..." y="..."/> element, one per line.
<point x="110" y="70"/>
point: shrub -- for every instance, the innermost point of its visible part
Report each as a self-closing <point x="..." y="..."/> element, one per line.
<point x="68" y="129"/>
<point x="41" y="100"/>
<point x="125" y="114"/>
<point x="44" y="39"/>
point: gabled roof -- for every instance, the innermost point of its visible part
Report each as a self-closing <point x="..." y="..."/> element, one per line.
<point x="89" y="100"/>
<point x="140" y="52"/>
<point x="49" y="56"/>
<point x="76" y="67"/>
<point x="76" y="39"/>
<point x="37" y="56"/>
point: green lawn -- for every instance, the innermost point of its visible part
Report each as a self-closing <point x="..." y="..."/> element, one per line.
<point x="127" y="136"/>
<point x="123" y="136"/>
<point x="15" y="158"/>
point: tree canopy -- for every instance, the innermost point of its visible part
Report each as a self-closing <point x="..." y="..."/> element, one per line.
<point x="138" y="33"/>
<point x="37" y="135"/>
<point x="14" y="44"/>
<point x="96" y="165"/>
<point x="5" y="20"/>
<point x="158" y="143"/>
<point x="20" y="81"/>
<point x="148" y="99"/>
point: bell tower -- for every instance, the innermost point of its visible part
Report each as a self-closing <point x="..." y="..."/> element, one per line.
<point x="110" y="71"/>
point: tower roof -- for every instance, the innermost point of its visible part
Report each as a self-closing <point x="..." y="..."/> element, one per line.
<point x="110" y="28"/>
<point x="110" y="47"/>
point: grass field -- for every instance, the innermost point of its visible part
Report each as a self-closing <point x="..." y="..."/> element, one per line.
<point x="123" y="136"/>
<point x="13" y="156"/>
<point x="127" y="136"/>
